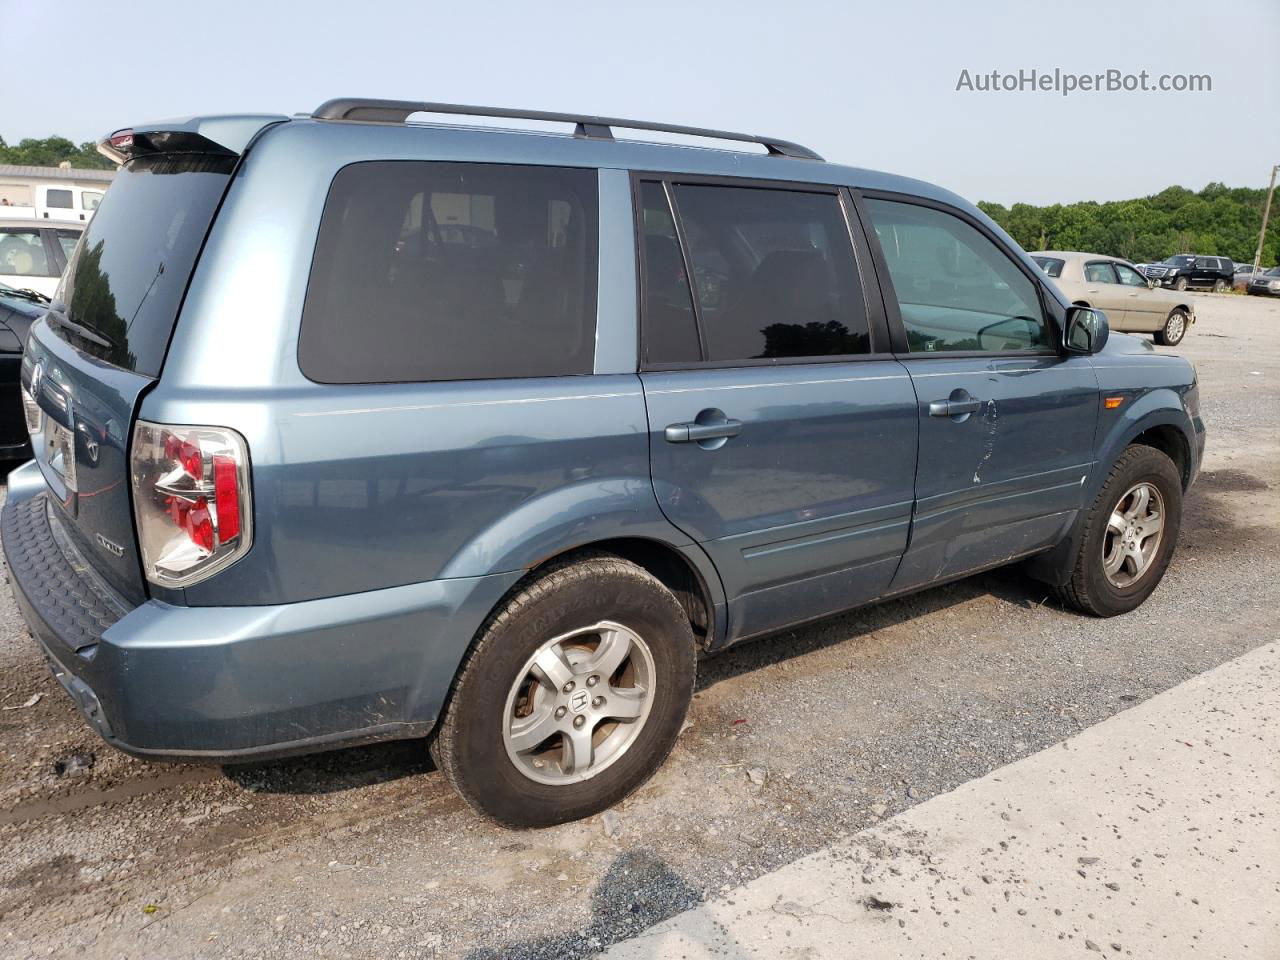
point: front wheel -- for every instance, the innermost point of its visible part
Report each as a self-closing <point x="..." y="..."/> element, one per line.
<point x="1174" y="329"/>
<point x="572" y="696"/>
<point x="1129" y="536"/>
<point x="1180" y="283"/>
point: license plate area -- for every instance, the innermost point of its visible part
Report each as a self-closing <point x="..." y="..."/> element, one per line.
<point x="60" y="452"/>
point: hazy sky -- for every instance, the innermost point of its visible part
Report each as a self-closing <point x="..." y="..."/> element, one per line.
<point x="870" y="85"/>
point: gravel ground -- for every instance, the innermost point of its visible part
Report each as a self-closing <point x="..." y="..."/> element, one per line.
<point x="367" y="853"/>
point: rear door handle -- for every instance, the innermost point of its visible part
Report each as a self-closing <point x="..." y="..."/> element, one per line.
<point x="954" y="408"/>
<point x="692" y="432"/>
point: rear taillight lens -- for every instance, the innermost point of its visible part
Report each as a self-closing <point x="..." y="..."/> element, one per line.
<point x="191" y="498"/>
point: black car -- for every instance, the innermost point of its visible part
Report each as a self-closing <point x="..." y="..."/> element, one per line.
<point x="18" y="310"/>
<point x="1191" y="270"/>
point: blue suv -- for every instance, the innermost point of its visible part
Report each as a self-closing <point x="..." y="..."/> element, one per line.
<point x="348" y="428"/>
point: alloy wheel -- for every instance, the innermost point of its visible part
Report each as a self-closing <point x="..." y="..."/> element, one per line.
<point x="1135" y="531"/>
<point x="579" y="703"/>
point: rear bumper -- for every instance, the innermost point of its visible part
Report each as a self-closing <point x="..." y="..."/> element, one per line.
<point x="239" y="683"/>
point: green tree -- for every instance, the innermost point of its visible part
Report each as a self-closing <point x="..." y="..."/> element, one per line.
<point x="51" y="151"/>
<point x="1217" y="220"/>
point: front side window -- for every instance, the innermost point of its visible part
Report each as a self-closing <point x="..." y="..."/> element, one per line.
<point x="1099" y="272"/>
<point x="955" y="288"/>
<point x="452" y="271"/>
<point x="89" y="199"/>
<point x="1129" y="276"/>
<point x="774" y="273"/>
<point x="58" y="198"/>
<point x="22" y="254"/>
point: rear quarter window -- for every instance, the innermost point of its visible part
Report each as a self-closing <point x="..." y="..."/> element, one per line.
<point x="1052" y="266"/>
<point x="428" y="271"/>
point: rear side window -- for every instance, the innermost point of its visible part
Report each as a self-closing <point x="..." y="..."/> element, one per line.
<point x="670" y="327"/>
<point x="773" y="271"/>
<point x="1099" y="272"/>
<point x="452" y="271"/>
<point x="67" y="239"/>
<point x="1052" y="266"/>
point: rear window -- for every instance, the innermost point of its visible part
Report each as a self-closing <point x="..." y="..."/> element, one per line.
<point x="1052" y="266"/>
<point x="452" y="271"/>
<point x="127" y="278"/>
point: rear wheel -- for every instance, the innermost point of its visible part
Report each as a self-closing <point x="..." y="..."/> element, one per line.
<point x="1129" y="537"/>
<point x="1174" y="329"/>
<point x="1219" y="286"/>
<point x="572" y="696"/>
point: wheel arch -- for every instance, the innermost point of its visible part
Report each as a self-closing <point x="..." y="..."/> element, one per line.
<point x="684" y="570"/>
<point x="1151" y="422"/>
<point x="618" y="515"/>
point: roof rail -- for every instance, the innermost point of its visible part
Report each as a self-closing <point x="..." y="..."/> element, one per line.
<point x="587" y="127"/>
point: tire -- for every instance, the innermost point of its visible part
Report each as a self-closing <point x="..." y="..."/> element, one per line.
<point x="477" y="739"/>
<point x="1180" y="284"/>
<point x="1091" y="589"/>
<point x="1174" y="329"/>
<point x="1219" y="286"/>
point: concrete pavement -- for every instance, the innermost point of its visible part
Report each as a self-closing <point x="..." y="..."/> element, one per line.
<point x="1155" y="833"/>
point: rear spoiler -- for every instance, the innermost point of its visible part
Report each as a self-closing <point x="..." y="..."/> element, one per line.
<point x="222" y="136"/>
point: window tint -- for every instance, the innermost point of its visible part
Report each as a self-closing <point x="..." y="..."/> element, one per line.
<point x="58" y="198"/>
<point x="774" y="273"/>
<point x="1099" y="272"/>
<point x="670" y="331"/>
<point x="22" y="254"/>
<point x="67" y="239"/>
<point x="1050" y="265"/>
<point x="128" y="276"/>
<point x="452" y="271"/>
<point x="956" y="289"/>
<point x="1129" y="276"/>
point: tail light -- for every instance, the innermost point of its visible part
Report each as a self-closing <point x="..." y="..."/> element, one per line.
<point x="32" y="412"/>
<point x="191" y="499"/>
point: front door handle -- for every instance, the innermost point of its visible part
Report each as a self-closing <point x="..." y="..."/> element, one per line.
<point x="693" y="432"/>
<point x="954" y="408"/>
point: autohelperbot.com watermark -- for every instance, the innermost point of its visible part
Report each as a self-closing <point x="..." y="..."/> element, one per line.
<point x="1065" y="82"/>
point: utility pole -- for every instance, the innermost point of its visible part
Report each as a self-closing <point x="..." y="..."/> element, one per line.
<point x="1266" y="213"/>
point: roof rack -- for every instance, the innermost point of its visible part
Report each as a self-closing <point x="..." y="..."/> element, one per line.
<point x="587" y="127"/>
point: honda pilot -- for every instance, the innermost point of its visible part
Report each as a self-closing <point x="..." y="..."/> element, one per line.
<point x="348" y="427"/>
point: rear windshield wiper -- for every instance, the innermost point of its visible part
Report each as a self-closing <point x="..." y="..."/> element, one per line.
<point x="56" y="315"/>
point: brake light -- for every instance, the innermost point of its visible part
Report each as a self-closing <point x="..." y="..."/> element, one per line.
<point x="191" y="500"/>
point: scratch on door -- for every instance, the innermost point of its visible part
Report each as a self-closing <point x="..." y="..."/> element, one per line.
<point x="989" y="441"/>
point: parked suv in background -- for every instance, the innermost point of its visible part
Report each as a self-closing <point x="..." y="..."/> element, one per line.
<point x="1188" y="270"/>
<point x="1265" y="282"/>
<point x="489" y="434"/>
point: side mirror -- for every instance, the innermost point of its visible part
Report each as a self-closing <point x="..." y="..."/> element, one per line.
<point x="1087" y="330"/>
